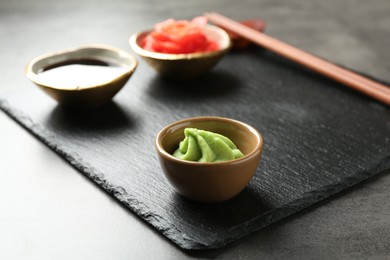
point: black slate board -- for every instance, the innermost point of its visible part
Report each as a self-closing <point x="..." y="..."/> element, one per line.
<point x="320" y="138"/>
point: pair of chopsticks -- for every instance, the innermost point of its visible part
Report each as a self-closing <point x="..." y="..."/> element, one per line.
<point x="350" y="79"/>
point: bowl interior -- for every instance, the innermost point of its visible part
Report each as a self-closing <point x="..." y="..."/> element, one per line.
<point x="212" y="32"/>
<point x="217" y="34"/>
<point x="104" y="54"/>
<point x="246" y="138"/>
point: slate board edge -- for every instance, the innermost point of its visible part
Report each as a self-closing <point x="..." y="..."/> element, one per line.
<point x="168" y="229"/>
<point x="98" y="178"/>
<point x="308" y="199"/>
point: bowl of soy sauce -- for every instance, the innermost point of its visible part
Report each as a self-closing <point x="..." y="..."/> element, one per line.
<point x="84" y="77"/>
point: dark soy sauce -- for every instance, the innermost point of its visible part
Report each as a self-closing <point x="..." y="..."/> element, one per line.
<point x="80" y="73"/>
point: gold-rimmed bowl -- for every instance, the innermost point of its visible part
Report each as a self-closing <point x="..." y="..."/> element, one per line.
<point x="183" y="66"/>
<point x="214" y="181"/>
<point x="89" y="95"/>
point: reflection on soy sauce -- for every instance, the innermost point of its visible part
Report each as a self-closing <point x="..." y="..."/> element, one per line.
<point x="79" y="73"/>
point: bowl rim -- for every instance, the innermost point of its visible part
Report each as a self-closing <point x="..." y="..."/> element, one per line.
<point x="187" y="56"/>
<point x="165" y="154"/>
<point x="128" y="69"/>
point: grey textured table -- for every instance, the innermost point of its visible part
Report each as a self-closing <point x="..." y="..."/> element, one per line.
<point x="49" y="211"/>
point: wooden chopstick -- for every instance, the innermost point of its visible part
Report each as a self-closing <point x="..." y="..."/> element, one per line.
<point x="353" y="80"/>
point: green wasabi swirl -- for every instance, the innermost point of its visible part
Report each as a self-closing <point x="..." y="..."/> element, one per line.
<point x="204" y="146"/>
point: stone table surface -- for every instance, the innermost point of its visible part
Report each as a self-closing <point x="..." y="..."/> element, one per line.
<point x="50" y="211"/>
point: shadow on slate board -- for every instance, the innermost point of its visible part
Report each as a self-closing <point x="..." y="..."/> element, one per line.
<point x="320" y="138"/>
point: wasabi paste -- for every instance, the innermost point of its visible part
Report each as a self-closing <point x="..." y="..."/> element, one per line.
<point x="204" y="146"/>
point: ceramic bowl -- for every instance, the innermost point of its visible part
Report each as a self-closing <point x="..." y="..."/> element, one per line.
<point x="214" y="181"/>
<point x="88" y="95"/>
<point x="183" y="66"/>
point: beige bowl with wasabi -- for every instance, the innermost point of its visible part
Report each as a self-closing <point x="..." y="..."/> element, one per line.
<point x="210" y="181"/>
